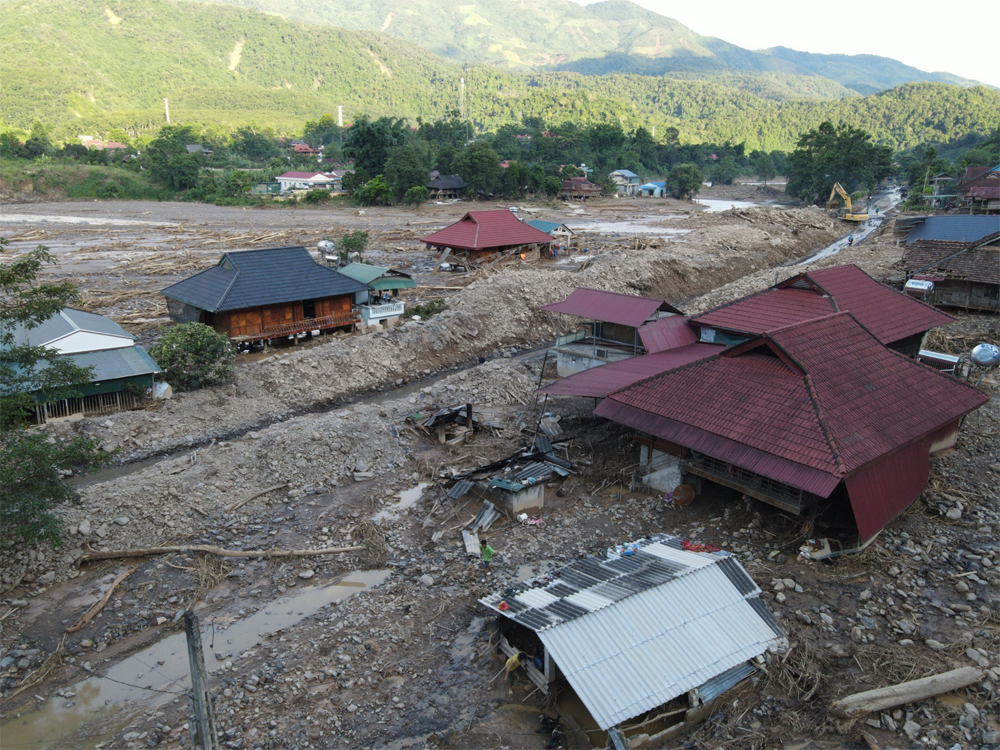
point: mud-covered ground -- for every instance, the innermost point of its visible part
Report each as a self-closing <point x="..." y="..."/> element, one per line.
<point x="407" y="662"/>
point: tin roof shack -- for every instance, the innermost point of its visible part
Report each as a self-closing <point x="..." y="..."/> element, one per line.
<point x="815" y="412"/>
<point x="561" y="233"/>
<point x="897" y="320"/>
<point x="259" y="295"/>
<point x="647" y="636"/>
<point x="484" y="236"/>
<point x="957" y="274"/>
<point x="120" y="367"/>
<point x="612" y="331"/>
<point x="380" y="305"/>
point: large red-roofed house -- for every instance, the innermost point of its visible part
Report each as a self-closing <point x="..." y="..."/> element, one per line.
<point x="480" y="234"/>
<point x="816" y="411"/>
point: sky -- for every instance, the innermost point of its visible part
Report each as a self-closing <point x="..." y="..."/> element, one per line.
<point x="927" y="36"/>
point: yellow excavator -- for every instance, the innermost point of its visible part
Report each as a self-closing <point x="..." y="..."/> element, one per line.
<point x="847" y="214"/>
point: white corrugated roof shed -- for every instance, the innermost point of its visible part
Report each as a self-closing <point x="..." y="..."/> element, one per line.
<point x="633" y="632"/>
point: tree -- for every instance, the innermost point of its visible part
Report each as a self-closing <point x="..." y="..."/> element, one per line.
<point x="446" y="160"/>
<point x="375" y="192"/>
<point x="608" y="185"/>
<point x="405" y="169"/>
<point x="725" y="171"/>
<point x="32" y="463"/>
<point x="352" y="181"/>
<point x="322" y="132"/>
<point x="369" y="143"/>
<point x="976" y="157"/>
<point x="255" y="145"/>
<point x="237" y="182"/>
<point x="552" y="186"/>
<point x="181" y="172"/>
<point x="764" y="167"/>
<point x="352" y="242"/>
<point x="416" y="195"/>
<point x="571" y="170"/>
<point x="38" y="143"/>
<point x="479" y="166"/>
<point x="840" y="153"/>
<point x="684" y="181"/>
<point x="193" y="355"/>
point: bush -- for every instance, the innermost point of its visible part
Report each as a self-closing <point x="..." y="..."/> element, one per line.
<point x="427" y="309"/>
<point x="416" y="195"/>
<point x="193" y="355"/>
<point x="684" y="181"/>
<point x="318" y="196"/>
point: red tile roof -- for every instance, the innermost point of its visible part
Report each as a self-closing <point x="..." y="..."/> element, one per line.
<point x="480" y="230"/>
<point x="608" y="307"/>
<point x="300" y="175"/>
<point x="598" y="382"/>
<point x="805" y="405"/>
<point x="887" y="313"/>
<point x="984" y="193"/>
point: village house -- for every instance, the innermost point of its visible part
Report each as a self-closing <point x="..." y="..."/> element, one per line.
<point x="561" y="234"/>
<point x="626" y="181"/>
<point x="611" y="333"/>
<point x="380" y="303"/>
<point x="654" y="189"/>
<point x="484" y="235"/>
<point x="979" y="189"/>
<point x="121" y="370"/>
<point x="260" y="295"/>
<point x="955" y="274"/>
<point x="898" y="321"/>
<point x="444" y="186"/>
<point x="306" y="181"/>
<point x="579" y="188"/>
<point x="195" y="148"/>
<point x="647" y="637"/>
<point x="813" y="414"/>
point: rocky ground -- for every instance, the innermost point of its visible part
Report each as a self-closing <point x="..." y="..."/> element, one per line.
<point x="407" y="662"/>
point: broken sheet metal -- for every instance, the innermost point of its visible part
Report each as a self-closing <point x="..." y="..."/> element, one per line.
<point x="485" y="517"/>
<point x="460" y="489"/>
<point x="633" y="630"/>
<point x="471" y="540"/>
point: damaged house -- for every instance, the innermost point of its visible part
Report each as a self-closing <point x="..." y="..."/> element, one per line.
<point x="481" y="236"/>
<point x="643" y="641"/>
<point x="956" y="274"/>
<point x="612" y="331"/>
<point x="259" y="295"/>
<point x="818" y="414"/>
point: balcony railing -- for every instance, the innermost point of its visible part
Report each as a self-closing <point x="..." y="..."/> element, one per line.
<point x="371" y="313"/>
<point x="302" y="326"/>
<point x="749" y="483"/>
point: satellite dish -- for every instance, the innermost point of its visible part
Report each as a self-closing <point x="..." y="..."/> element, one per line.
<point x="985" y="355"/>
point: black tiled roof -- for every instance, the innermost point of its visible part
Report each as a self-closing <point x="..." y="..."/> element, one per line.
<point x="254" y="278"/>
<point x="447" y="182"/>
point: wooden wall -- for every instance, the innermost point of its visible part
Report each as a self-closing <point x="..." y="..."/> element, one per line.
<point x="257" y="320"/>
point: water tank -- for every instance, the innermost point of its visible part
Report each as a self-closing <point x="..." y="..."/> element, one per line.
<point x="326" y="247"/>
<point x="986" y="355"/>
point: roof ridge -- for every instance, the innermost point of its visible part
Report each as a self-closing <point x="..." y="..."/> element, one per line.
<point x="821" y="421"/>
<point x="894" y="291"/>
<point x="973" y="245"/>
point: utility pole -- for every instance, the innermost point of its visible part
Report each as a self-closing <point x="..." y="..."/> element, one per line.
<point x="340" y="115"/>
<point x="202" y="723"/>
<point x="166" y="109"/>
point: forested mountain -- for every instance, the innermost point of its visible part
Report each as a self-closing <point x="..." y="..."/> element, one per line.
<point x="85" y="66"/>
<point x="613" y="36"/>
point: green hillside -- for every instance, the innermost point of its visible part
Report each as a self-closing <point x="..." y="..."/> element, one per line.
<point x="85" y="66"/>
<point x="613" y="36"/>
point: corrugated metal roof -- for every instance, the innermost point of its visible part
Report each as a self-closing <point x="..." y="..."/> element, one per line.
<point x="956" y="227"/>
<point x="632" y="632"/>
<point x="608" y="307"/>
<point x="889" y="314"/>
<point x="113" y="364"/>
<point x="669" y="332"/>
<point x="483" y="230"/>
<point x="66" y="321"/>
<point x="723" y="682"/>
<point x="822" y="395"/>
<point x="598" y="382"/>
<point x="254" y="278"/>
<point x="373" y="276"/>
<point x="548" y="226"/>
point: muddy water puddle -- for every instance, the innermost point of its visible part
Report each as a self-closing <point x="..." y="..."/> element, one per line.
<point x="407" y="498"/>
<point x="715" y="206"/>
<point x="97" y="709"/>
<point x="637" y="226"/>
<point x="6" y="218"/>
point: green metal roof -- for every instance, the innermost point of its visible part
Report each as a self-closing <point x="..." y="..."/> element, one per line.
<point x="376" y="276"/>
<point x="546" y="226"/>
<point x="114" y="364"/>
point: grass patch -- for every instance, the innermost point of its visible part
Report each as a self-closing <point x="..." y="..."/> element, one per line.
<point x="78" y="181"/>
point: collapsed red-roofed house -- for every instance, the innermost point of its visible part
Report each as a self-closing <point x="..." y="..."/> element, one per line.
<point x="814" y="414"/>
<point x="482" y="236"/>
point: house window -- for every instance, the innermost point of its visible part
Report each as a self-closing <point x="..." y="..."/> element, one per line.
<point x="309" y="309"/>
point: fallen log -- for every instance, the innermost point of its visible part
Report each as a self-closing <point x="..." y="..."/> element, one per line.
<point x="218" y="551"/>
<point x="244" y="501"/>
<point x="91" y="613"/>
<point x="905" y="692"/>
